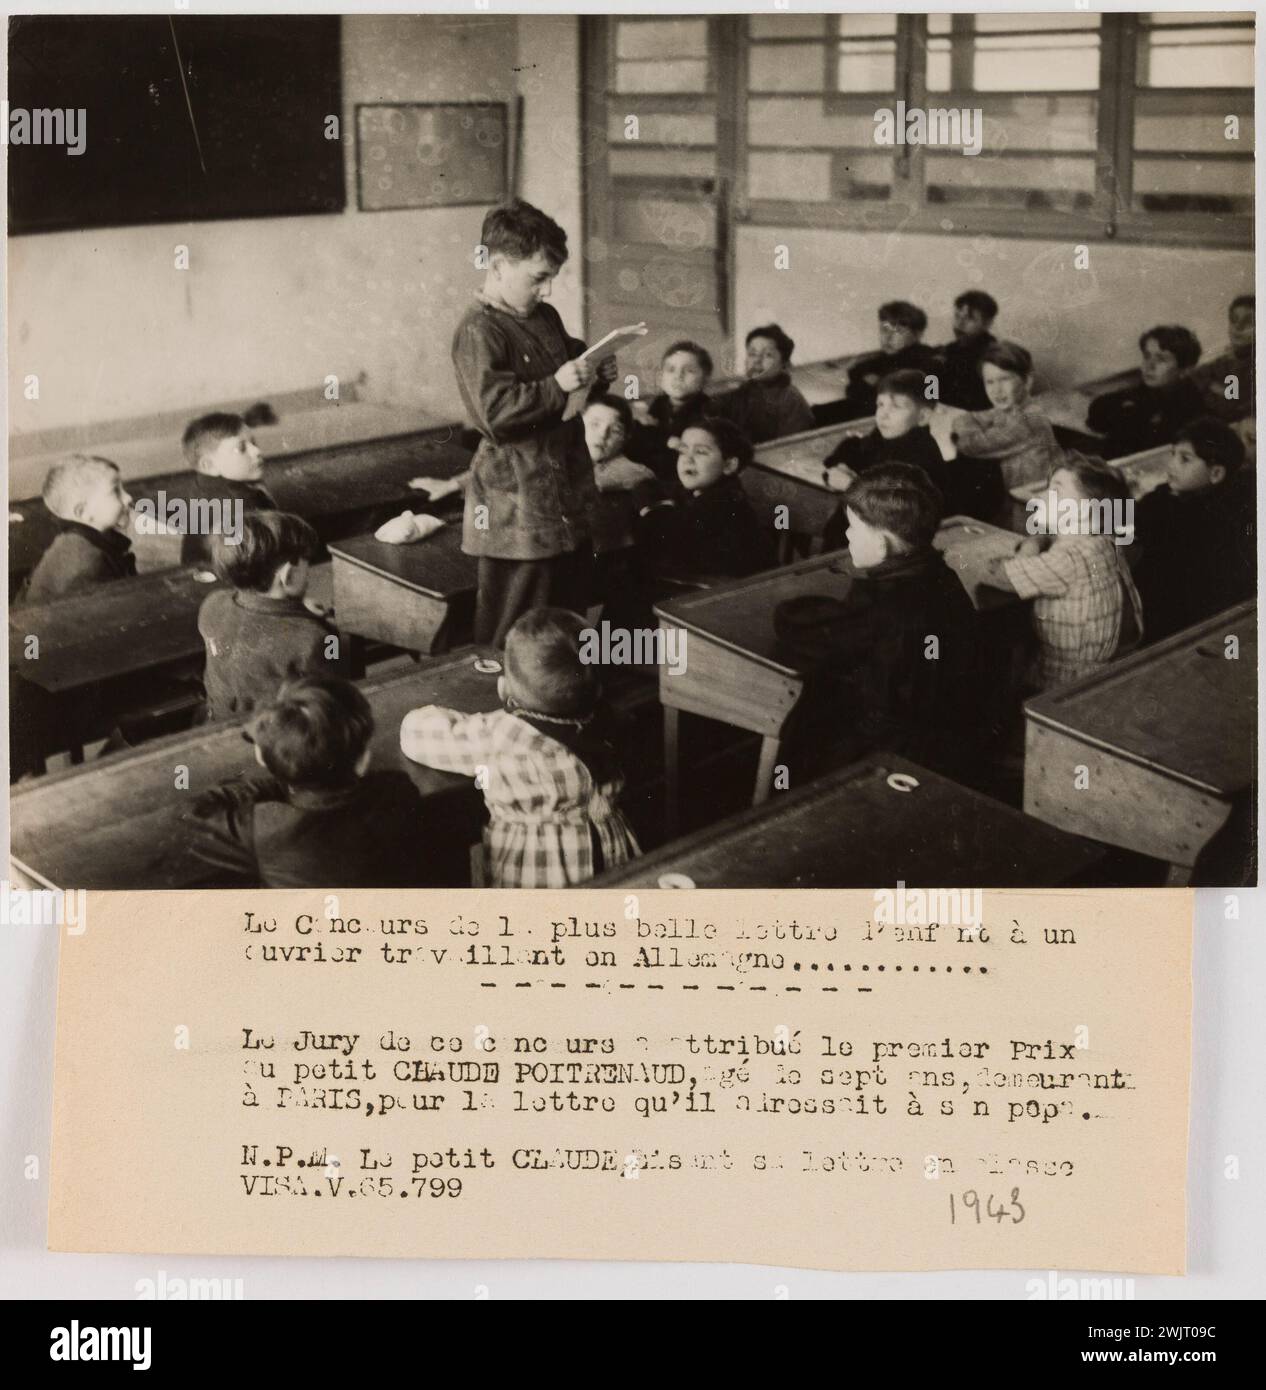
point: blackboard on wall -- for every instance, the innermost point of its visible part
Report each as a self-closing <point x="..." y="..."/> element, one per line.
<point x="244" y="134"/>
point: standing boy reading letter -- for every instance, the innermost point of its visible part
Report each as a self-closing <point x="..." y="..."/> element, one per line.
<point x="531" y="484"/>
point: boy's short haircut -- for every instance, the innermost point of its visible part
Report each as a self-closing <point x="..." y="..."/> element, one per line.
<point x="979" y="303"/>
<point x="203" y="435"/>
<point x="543" y="661"/>
<point x="907" y="382"/>
<point x="1010" y="357"/>
<point x="1215" y="442"/>
<point x="731" y="440"/>
<point x="519" y="230"/>
<point x="1096" y="479"/>
<point x="1243" y="301"/>
<point x="313" y="732"/>
<point x="785" y="345"/>
<point x="1174" y="338"/>
<point x="904" y="315"/>
<point x="616" y="403"/>
<point x="898" y="498"/>
<point x="268" y="540"/>
<point x="697" y="351"/>
<point x="71" y="480"/>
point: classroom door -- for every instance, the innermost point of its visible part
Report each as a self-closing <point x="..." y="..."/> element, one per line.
<point x="659" y="149"/>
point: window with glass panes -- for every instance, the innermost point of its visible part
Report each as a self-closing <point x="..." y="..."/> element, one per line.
<point x="1100" y="125"/>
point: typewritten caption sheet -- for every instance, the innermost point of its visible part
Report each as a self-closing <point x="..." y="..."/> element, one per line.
<point x="819" y="1080"/>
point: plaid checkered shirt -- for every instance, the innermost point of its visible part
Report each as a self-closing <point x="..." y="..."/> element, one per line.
<point x="1076" y="585"/>
<point x="543" y="803"/>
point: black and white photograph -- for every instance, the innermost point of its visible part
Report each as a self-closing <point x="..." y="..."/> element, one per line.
<point x="782" y="449"/>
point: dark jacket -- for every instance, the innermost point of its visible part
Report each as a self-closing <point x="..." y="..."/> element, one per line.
<point x="255" y="643"/>
<point x="1197" y="553"/>
<point x="711" y="533"/>
<point x="531" y="486"/>
<point x="867" y="372"/>
<point x="873" y="685"/>
<point x="648" y="444"/>
<point x="1210" y="379"/>
<point x="367" y="835"/>
<point x="956" y="481"/>
<point x="1141" y="417"/>
<point x="79" y="558"/>
<point x="766" y="410"/>
<point x="207" y="488"/>
<point x="960" y="379"/>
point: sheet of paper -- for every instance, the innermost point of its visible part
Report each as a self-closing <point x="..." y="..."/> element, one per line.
<point x="615" y="341"/>
<point x="824" y="1081"/>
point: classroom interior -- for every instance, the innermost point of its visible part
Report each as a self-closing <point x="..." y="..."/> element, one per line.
<point x="712" y="174"/>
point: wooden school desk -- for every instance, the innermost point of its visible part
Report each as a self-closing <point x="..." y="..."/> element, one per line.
<point x="307" y="422"/>
<point x="340" y="490"/>
<point x="417" y="596"/>
<point x="736" y="670"/>
<point x="120" y="629"/>
<point x="821" y="383"/>
<point x="116" y="822"/>
<point x="1167" y="738"/>
<point x="1142" y="472"/>
<point x="790" y="472"/>
<point x="856" y="829"/>
<point x="107" y="655"/>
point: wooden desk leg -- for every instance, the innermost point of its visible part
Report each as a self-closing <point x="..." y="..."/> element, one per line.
<point x="671" y="717"/>
<point x="765" y="769"/>
<point x="1178" y="876"/>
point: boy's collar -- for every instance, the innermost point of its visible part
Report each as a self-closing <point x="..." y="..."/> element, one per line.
<point x="907" y="562"/>
<point x="113" y="539"/>
<point x="492" y="303"/>
<point x="255" y="602"/>
<point x="217" y="482"/>
<point x="323" y="798"/>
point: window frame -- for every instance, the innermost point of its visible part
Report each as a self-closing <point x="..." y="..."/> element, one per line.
<point x="1111" y="218"/>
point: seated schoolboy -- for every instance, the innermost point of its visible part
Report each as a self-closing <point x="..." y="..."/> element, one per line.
<point x="1195" y="534"/>
<point x="547" y="763"/>
<point x="901" y="435"/>
<point x="1085" y="601"/>
<point x="225" y="485"/>
<point x="86" y="496"/>
<point x="617" y="580"/>
<point x="317" y="817"/>
<point x="1144" y="416"/>
<point x="684" y="374"/>
<point x="767" y="405"/>
<point x="704" y="527"/>
<point x="1014" y="435"/>
<point x="1228" y="383"/>
<point x="260" y="633"/>
<point x="895" y="665"/>
<point x="961" y="360"/>
<point x="901" y="329"/>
